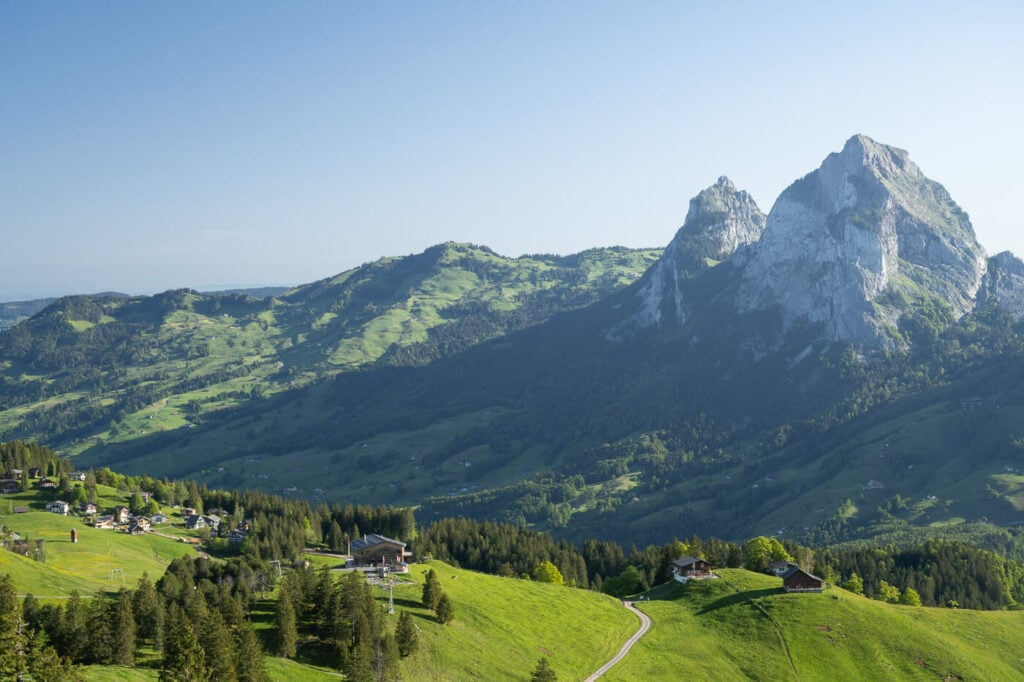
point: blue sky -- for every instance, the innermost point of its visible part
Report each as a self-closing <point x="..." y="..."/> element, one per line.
<point x="145" y="145"/>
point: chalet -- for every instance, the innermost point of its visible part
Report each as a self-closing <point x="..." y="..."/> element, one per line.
<point x="77" y="476"/>
<point x="140" y="521"/>
<point x="135" y="528"/>
<point x="195" y="522"/>
<point x="103" y="522"/>
<point x="35" y="472"/>
<point x="89" y="508"/>
<point x="10" y="485"/>
<point x="188" y="511"/>
<point x="46" y="484"/>
<point x="212" y="521"/>
<point x="158" y="518"/>
<point x="15" y="473"/>
<point x="58" y="507"/>
<point x="121" y="514"/>
<point x="777" y="568"/>
<point x="236" y="536"/>
<point x="691" y="568"/>
<point x="377" y="550"/>
<point x="797" y="579"/>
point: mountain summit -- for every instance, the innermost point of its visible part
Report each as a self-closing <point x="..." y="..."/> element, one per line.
<point x="860" y="241"/>
<point x="721" y="220"/>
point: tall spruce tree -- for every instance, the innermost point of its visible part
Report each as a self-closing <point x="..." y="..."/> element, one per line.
<point x="405" y="635"/>
<point x="248" y="655"/>
<point x="287" y="632"/>
<point x="184" y="659"/>
<point x="543" y="672"/>
<point x="431" y="590"/>
<point x="122" y="629"/>
<point x="445" y="610"/>
<point x="12" y="641"/>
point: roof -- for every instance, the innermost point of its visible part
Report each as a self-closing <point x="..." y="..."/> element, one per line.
<point x="793" y="570"/>
<point x="688" y="561"/>
<point x="372" y="540"/>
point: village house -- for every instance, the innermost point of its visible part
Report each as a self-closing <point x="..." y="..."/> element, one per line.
<point x="691" y="568"/>
<point x="135" y="528"/>
<point x="377" y="550"/>
<point x="797" y="579"/>
<point x="103" y="522"/>
<point x="34" y="472"/>
<point x="88" y="508"/>
<point x="46" y="484"/>
<point x="236" y="536"/>
<point x="140" y="521"/>
<point x="15" y="473"/>
<point x="121" y="514"/>
<point x="77" y="476"/>
<point x="158" y="518"/>
<point x="9" y="485"/>
<point x="195" y="522"/>
<point x="212" y="521"/>
<point x="58" y="507"/>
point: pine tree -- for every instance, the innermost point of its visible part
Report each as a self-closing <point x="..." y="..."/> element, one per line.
<point x="218" y="647"/>
<point x="122" y="630"/>
<point x="184" y="660"/>
<point x="45" y="664"/>
<point x="287" y="633"/>
<point x="12" y="641"/>
<point x="248" y="656"/>
<point x="431" y="590"/>
<point x="405" y="635"/>
<point x="445" y="610"/>
<point x="543" y="672"/>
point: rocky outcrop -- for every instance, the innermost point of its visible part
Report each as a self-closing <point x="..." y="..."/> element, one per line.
<point x="1004" y="284"/>
<point x="721" y="220"/>
<point x="867" y="223"/>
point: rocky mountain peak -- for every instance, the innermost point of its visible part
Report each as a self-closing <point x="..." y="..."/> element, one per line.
<point x="867" y="223"/>
<point x="1004" y="283"/>
<point x="720" y="220"/>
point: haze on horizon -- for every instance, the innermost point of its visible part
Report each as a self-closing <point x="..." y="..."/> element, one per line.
<point x="153" y="146"/>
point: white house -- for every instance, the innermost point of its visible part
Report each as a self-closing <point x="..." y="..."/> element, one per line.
<point x="58" y="507"/>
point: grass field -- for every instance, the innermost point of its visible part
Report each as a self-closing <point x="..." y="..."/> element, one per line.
<point x="744" y="627"/>
<point x="86" y="565"/>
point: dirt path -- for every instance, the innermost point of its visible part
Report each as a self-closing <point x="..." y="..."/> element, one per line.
<point x="645" y="625"/>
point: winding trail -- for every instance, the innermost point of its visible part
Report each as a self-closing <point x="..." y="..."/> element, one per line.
<point x="645" y="625"/>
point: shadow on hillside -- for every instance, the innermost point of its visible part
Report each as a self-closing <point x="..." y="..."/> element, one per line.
<point x="739" y="598"/>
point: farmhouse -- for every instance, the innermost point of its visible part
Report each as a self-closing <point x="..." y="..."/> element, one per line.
<point x="136" y="528"/>
<point x="797" y="579"/>
<point x="691" y="568"/>
<point x="140" y="521"/>
<point x="9" y="485"/>
<point x="46" y="484"/>
<point x="89" y="508"/>
<point x="58" y="507"/>
<point x="377" y="550"/>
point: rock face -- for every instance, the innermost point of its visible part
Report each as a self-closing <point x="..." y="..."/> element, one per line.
<point x="721" y="220"/>
<point x="850" y="244"/>
<point x="1004" y="284"/>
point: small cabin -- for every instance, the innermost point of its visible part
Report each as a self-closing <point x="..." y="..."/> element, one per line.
<point x="797" y="579"/>
<point x="691" y="568"/>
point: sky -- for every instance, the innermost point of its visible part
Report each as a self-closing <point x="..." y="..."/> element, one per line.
<point x="154" y="145"/>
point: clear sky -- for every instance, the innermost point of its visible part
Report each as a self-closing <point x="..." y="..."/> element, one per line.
<point x="153" y="145"/>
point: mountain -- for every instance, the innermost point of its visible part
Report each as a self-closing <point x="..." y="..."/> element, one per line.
<point x="848" y="367"/>
<point x="858" y="243"/>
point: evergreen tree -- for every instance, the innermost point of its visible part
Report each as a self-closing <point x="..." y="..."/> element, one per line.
<point x="218" y="647"/>
<point x="405" y="635"/>
<point x="248" y="656"/>
<point x="431" y="590"/>
<point x="445" y="610"/>
<point x="184" y="660"/>
<point x="122" y="629"/>
<point x="146" y="607"/>
<point x="543" y="672"/>
<point x="45" y="664"/>
<point x="12" y="641"/>
<point x="287" y="632"/>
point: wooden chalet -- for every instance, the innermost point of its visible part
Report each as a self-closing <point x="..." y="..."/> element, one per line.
<point x="10" y="485"/>
<point x="691" y="568"/>
<point x="780" y="567"/>
<point x="46" y="484"/>
<point x="797" y="579"/>
<point x="377" y="550"/>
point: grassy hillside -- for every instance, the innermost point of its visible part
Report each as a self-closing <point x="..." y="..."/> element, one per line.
<point x="86" y="565"/>
<point x="88" y="372"/>
<point x="745" y="627"/>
